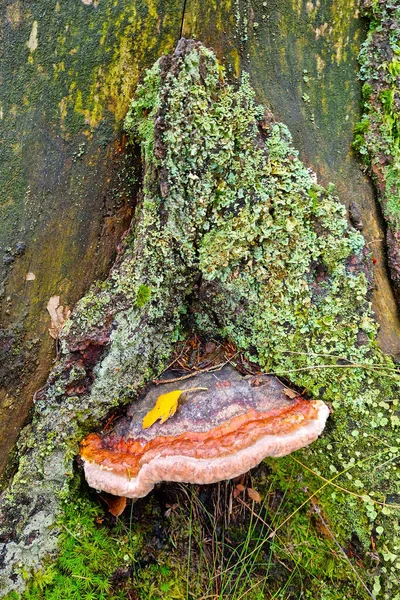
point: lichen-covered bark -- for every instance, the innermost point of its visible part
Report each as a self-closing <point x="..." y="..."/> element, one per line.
<point x="232" y="237"/>
<point x="68" y="71"/>
<point x="377" y="134"/>
<point x="302" y="60"/>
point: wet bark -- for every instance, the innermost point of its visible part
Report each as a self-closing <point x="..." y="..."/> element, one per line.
<point x="71" y="195"/>
<point x="68" y="73"/>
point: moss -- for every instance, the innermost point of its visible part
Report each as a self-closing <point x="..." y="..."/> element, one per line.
<point x="143" y="295"/>
<point x="101" y="557"/>
<point x="90" y="554"/>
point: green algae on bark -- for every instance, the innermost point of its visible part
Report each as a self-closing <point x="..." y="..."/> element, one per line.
<point x="378" y="132"/>
<point x="68" y="72"/>
<point x="232" y="237"/>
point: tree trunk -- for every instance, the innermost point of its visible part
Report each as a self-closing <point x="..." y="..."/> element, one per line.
<point x="197" y="256"/>
<point x="68" y="74"/>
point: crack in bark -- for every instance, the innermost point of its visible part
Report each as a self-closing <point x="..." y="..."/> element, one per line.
<point x="183" y="19"/>
<point x="383" y="225"/>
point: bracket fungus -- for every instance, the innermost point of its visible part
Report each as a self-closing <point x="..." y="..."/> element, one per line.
<point x="215" y="434"/>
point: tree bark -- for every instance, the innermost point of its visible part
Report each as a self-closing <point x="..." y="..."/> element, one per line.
<point x="68" y="74"/>
<point x="197" y="255"/>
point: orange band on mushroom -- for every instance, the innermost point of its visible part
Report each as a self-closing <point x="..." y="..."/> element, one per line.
<point x="127" y="456"/>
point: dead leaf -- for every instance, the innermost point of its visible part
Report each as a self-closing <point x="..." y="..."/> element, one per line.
<point x="58" y="314"/>
<point x="170" y="508"/>
<point x="165" y="407"/>
<point x="116" y="504"/>
<point x="254" y="495"/>
<point x="210" y="347"/>
<point x="290" y="393"/>
<point x="240" y="487"/>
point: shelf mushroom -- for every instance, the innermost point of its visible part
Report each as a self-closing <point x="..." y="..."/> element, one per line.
<point x="217" y="433"/>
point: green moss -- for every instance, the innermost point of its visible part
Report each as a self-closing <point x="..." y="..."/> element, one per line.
<point x="143" y="295"/>
<point x="99" y="558"/>
<point x="89" y="556"/>
<point x="103" y="558"/>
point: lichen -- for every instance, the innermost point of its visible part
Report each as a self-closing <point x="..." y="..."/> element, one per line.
<point x="285" y="278"/>
<point x="378" y="132"/>
<point x="232" y="237"/>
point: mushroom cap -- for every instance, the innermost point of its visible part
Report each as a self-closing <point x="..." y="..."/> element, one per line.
<point x="214" y="435"/>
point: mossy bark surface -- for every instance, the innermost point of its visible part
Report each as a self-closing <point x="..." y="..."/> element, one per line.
<point x="68" y="72"/>
<point x="232" y="237"/>
<point x="377" y="134"/>
<point x="303" y="59"/>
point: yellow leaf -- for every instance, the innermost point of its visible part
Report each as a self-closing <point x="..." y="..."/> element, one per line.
<point x="165" y="407"/>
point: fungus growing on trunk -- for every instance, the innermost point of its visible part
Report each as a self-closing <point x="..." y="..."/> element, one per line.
<point x="215" y="434"/>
